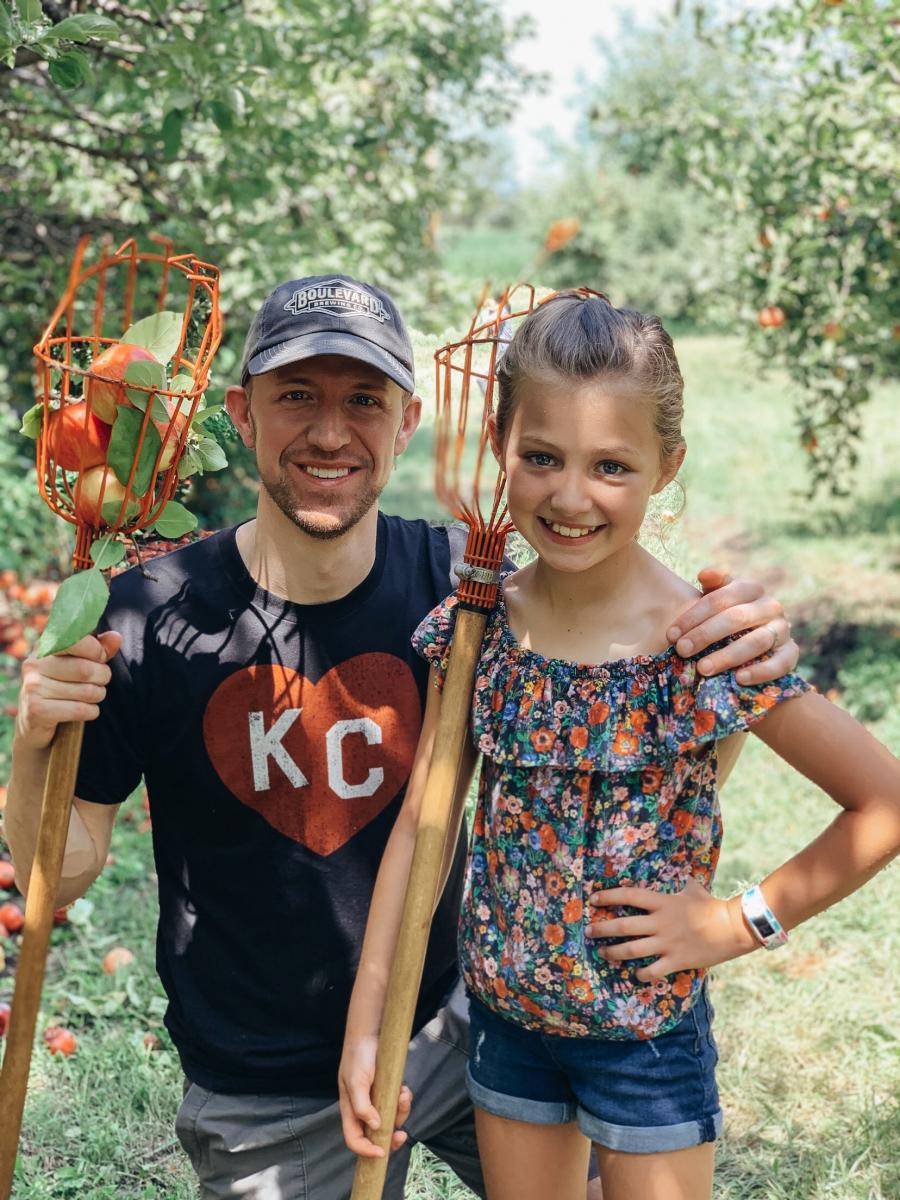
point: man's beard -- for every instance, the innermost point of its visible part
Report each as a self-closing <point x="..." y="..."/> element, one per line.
<point x="284" y="497"/>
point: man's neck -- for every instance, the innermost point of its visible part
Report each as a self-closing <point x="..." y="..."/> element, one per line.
<point x="305" y="570"/>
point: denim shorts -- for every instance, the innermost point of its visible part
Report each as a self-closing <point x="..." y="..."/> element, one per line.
<point x="638" y="1096"/>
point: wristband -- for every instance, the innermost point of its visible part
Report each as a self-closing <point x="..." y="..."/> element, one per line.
<point x="761" y="919"/>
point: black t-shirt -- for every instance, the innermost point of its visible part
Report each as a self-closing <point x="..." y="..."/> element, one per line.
<point x="276" y="741"/>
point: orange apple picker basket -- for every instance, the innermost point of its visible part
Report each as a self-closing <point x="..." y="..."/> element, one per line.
<point x="111" y="429"/>
<point x="466" y="474"/>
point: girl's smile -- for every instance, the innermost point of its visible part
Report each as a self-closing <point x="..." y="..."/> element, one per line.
<point x="582" y="459"/>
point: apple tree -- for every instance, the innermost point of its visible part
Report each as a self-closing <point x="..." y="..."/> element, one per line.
<point x="800" y="156"/>
<point x="272" y="138"/>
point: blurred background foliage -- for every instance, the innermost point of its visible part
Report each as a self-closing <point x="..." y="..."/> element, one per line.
<point x="274" y="139"/>
<point x="733" y="171"/>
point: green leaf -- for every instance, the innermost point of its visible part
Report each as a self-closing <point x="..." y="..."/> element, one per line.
<point x="109" y="510"/>
<point x="182" y="383"/>
<point x="77" y="607"/>
<point x="80" y="912"/>
<point x="188" y="464"/>
<point x="221" y="115"/>
<point x="7" y="33"/>
<point x="148" y="375"/>
<point x="174" y="521"/>
<point x="71" y="69"/>
<point x="82" y="27"/>
<point x="211" y="454"/>
<point x="123" y="447"/>
<point x="107" y="552"/>
<point x="173" y="123"/>
<point x="159" y="333"/>
<point x="205" y="413"/>
<point x="31" y="421"/>
<point x="31" y="10"/>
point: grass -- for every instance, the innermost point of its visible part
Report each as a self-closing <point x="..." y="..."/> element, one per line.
<point x="810" y="1049"/>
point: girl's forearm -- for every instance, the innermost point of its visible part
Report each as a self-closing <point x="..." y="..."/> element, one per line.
<point x="863" y="777"/>
<point x="379" y="944"/>
<point x="854" y="847"/>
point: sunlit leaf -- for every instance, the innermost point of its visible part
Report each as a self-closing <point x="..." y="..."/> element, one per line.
<point x="174" y="521"/>
<point x="77" y="607"/>
<point x="159" y="333"/>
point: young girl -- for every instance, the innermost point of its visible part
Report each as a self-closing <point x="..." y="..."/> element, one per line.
<point x="588" y="923"/>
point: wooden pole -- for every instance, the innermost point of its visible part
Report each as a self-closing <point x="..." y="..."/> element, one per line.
<point x="421" y="892"/>
<point x="43" y="886"/>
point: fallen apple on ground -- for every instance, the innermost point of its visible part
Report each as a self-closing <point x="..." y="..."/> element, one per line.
<point x="12" y="916"/>
<point x="118" y="957"/>
<point x="60" y="1040"/>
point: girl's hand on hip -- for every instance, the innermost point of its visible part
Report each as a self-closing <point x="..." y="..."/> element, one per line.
<point x="358" y="1113"/>
<point x="681" y="930"/>
<point x="729" y="606"/>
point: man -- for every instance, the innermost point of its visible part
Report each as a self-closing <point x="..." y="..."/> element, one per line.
<point x="262" y="683"/>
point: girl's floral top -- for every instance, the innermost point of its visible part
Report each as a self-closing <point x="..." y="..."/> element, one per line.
<point x="590" y="774"/>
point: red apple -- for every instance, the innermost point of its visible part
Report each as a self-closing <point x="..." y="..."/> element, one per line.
<point x="60" y="1041"/>
<point x="177" y="420"/>
<point x="7" y="874"/>
<point x="771" y="317"/>
<point x="104" y="394"/>
<point x="12" y="916"/>
<point x="89" y="503"/>
<point x="76" y="439"/>
<point x="4" y="1019"/>
<point x="118" y="957"/>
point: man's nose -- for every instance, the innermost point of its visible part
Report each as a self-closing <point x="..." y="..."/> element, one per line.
<point x="329" y="429"/>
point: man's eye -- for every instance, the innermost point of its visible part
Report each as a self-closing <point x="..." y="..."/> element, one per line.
<point x="539" y="459"/>
<point x="612" y="468"/>
<point x="294" y="397"/>
<point x="364" y="401"/>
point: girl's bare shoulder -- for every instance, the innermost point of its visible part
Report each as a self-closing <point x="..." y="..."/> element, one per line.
<point x="668" y="595"/>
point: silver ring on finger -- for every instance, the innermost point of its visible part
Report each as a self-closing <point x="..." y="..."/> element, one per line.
<point x="774" y="633"/>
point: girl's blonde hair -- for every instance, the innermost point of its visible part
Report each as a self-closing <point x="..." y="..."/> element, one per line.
<point x="582" y="336"/>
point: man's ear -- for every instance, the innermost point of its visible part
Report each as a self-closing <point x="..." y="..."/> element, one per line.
<point x="237" y="405"/>
<point x="671" y="467"/>
<point x="412" y="415"/>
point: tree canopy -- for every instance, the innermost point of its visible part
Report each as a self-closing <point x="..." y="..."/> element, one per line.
<point x="794" y="142"/>
<point x="269" y="137"/>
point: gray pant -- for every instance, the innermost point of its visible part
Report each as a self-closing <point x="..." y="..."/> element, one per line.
<point x="291" y="1147"/>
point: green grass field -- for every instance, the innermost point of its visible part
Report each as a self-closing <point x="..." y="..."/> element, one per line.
<point x="809" y="1039"/>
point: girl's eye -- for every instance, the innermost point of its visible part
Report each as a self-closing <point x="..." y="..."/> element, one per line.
<point x="612" y="468"/>
<point x="539" y="459"/>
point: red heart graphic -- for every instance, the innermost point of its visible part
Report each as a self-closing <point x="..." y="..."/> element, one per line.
<point x="319" y="760"/>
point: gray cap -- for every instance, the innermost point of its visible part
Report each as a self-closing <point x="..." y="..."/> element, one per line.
<point x="329" y="314"/>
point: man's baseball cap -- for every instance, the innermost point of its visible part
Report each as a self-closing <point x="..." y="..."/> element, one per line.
<point x="329" y="314"/>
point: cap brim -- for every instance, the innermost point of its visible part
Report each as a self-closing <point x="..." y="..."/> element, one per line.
<point x="311" y="345"/>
